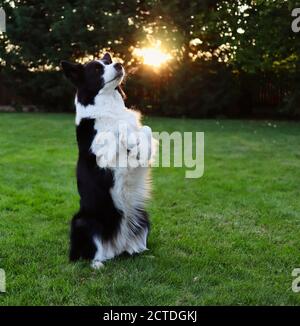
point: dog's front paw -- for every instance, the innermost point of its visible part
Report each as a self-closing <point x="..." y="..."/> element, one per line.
<point x="96" y="264"/>
<point x="106" y="156"/>
<point x="106" y="161"/>
<point x="148" y="142"/>
<point x="104" y="147"/>
<point x="139" y="146"/>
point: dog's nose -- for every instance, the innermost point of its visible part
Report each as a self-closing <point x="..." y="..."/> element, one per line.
<point x="118" y="67"/>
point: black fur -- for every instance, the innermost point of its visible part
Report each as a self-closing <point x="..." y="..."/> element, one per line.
<point x="97" y="214"/>
<point x="92" y="85"/>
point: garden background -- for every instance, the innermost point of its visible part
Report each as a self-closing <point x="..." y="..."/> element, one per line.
<point x="222" y="58"/>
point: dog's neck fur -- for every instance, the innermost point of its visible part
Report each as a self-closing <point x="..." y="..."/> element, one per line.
<point x="108" y="103"/>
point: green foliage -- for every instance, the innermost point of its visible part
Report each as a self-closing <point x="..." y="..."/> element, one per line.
<point x="222" y="51"/>
<point x="46" y="32"/>
<point x="215" y="90"/>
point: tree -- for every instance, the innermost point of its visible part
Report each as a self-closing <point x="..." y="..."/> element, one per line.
<point x="225" y="53"/>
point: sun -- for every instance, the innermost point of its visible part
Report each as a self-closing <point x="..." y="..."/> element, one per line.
<point x="152" y="56"/>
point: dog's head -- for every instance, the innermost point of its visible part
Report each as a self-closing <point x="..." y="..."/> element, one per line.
<point x="93" y="77"/>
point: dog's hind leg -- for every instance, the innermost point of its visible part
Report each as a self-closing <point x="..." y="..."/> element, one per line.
<point x="82" y="244"/>
<point x="98" y="259"/>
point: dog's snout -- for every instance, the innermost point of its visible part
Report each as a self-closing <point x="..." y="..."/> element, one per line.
<point x="118" y="67"/>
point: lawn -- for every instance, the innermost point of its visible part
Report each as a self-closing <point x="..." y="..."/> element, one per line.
<point x="230" y="237"/>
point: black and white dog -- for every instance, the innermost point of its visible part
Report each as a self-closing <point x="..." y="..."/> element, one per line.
<point x="112" y="217"/>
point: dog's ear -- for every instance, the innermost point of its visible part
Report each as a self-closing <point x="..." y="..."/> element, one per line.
<point x="107" y="57"/>
<point x="74" y="72"/>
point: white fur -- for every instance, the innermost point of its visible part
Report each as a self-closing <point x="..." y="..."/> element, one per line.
<point x="110" y="75"/>
<point x="131" y="186"/>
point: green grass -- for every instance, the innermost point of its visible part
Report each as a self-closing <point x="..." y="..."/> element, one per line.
<point x="230" y="237"/>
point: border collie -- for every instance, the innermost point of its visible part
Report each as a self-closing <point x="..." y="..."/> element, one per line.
<point x="112" y="219"/>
